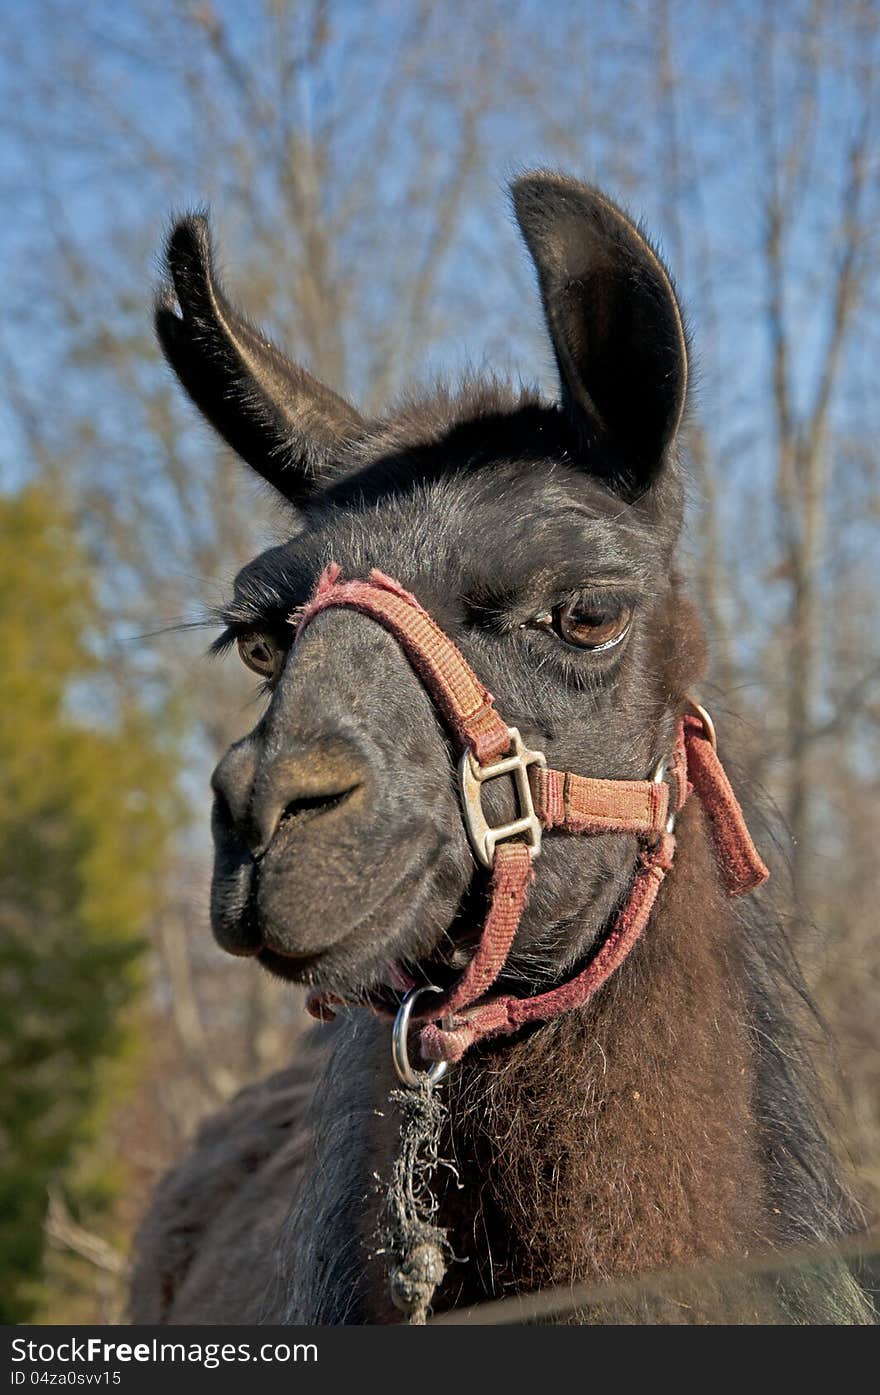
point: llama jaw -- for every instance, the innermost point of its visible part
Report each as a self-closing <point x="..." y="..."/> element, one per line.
<point x="366" y="952"/>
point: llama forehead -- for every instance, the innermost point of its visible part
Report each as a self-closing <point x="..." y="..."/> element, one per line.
<point x="486" y="535"/>
<point x="477" y="493"/>
<point x="497" y="525"/>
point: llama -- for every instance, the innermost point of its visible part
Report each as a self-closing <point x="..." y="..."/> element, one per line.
<point x="668" y="1120"/>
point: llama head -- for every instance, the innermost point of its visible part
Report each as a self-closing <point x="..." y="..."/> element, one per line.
<point x="540" y="536"/>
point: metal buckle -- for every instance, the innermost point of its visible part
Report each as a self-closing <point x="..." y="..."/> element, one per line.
<point x="472" y="776"/>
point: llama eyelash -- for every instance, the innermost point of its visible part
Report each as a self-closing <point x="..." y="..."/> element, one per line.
<point x="224" y="642"/>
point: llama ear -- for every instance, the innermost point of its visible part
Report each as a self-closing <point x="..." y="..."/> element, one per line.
<point x="280" y="419"/>
<point x="615" y="324"/>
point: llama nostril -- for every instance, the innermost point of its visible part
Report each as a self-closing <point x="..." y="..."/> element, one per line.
<point x="310" y="806"/>
<point x="272" y="818"/>
<point x="288" y="804"/>
<point x="254" y="797"/>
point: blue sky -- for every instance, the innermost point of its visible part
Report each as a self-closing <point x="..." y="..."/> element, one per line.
<point x="100" y="139"/>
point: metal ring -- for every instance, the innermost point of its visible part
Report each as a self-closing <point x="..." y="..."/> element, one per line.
<point x="657" y="778"/>
<point x="708" y="725"/>
<point x="399" y="1049"/>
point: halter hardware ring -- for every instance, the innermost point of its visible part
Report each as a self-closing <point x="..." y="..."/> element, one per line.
<point x="471" y="778"/>
<point x="657" y="778"/>
<point x="708" y="725"/>
<point x="400" y="1049"/>
<point x="659" y="773"/>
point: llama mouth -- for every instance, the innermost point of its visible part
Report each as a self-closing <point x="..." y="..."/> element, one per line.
<point x="290" y="968"/>
<point x="385" y="993"/>
<point x="397" y="981"/>
<point x="382" y="972"/>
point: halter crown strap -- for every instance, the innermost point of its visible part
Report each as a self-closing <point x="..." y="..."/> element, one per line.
<point x="558" y="799"/>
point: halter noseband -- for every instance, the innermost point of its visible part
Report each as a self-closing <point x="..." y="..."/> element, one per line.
<point x="547" y="799"/>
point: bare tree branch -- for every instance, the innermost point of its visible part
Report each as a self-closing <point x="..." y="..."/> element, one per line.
<point x="65" y="1233"/>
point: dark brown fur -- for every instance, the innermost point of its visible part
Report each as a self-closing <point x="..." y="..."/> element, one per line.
<point x="620" y="1140"/>
<point x="672" y="1121"/>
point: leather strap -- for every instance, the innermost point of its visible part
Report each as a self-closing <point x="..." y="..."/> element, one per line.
<point x="449" y="1040"/>
<point x="579" y="804"/>
<point x="563" y="800"/>
<point x="456" y="689"/>
<point x="739" y="862"/>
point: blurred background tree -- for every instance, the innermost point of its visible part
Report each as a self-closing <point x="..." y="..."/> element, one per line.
<point x="85" y="811"/>
<point x="355" y="156"/>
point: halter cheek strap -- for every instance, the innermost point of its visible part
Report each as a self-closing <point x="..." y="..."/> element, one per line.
<point x="548" y="799"/>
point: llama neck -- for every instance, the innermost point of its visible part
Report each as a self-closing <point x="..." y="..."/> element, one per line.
<point x="613" y="1141"/>
<point x="620" y="1138"/>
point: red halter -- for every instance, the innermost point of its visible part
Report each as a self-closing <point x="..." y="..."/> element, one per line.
<point x="547" y="799"/>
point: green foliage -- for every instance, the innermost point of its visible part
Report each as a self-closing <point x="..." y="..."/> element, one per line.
<point x="84" y="814"/>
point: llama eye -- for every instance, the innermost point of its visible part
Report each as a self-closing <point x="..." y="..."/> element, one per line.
<point x="587" y="623"/>
<point x="259" y="654"/>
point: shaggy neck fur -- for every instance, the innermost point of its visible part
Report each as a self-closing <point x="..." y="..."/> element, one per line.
<point x="622" y="1139"/>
